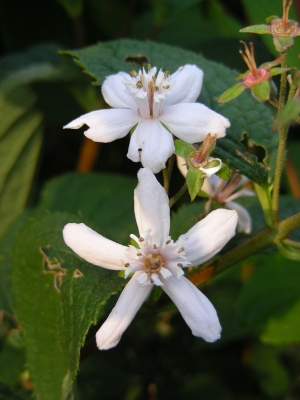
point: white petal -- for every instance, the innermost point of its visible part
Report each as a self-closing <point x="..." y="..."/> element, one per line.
<point x="93" y="247"/>
<point x="188" y="83"/>
<point x="151" y="144"/>
<point x="195" y="308"/>
<point x="181" y="164"/>
<point x="210" y="171"/>
<point x="114" y="91"/>
<point x="130" y="301"/>
<point x="192" y="122"/>
<point x="208" y="236"/>
<point x="106" y="125"/>
<point x="151" y="207"/>
<point x="244" y="221"/>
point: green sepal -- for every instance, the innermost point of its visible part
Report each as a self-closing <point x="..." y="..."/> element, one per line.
<point x="288" y="251"/>
<point x="287" y="113"/>
<point x="224" y="172"/>
<point x="259" y="29"/>
<point x="278" y="71"/>
<point x="261" y="91"/>
<point x="194" y="182"/>
<point x="183" y="149"/>
<point x="271" y="18"/>
<point x="231" y="93"/>
<point x="212" y="164"/>
<point x="283" y="43"/>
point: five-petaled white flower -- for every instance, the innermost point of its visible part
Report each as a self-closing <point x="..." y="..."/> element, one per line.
<point x="158" y="260"/>
<point x="151" y="103"/>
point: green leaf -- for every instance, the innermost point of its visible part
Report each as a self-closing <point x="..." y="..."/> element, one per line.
<point x="20" y="141"/>
<point x="288" y="112"/>
<point x="183" y="149"/>
<point x="185" y="218"/>
<point x="105" y="199"/>
<point x="72" y="7"/>
<point x="66" y="294"/>
<point x="244" y="113"/>
<point x="12" y="360"/>
<point x="271" y="299"/>
<point x="194" y="182"/>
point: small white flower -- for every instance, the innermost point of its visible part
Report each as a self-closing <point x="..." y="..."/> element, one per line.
<point x="152" y="103"/>
<point x="158" y="261"/>
<point x="223" y="192"/>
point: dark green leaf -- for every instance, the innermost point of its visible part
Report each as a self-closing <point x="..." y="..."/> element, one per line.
<point x="105" y="199"/>
<point x="244" y="113"/>
<point x="185" y="218"/>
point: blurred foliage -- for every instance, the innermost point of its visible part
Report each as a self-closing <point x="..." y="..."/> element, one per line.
<point x="48" y="311"/>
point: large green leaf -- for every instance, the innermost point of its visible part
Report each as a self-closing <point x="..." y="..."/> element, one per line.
<point x="106" y="199"/>
<point x="245" y="114"/>
<point x="57" y="297"/>
<point x="270" y="298"/>
<point x="20" y="141"/>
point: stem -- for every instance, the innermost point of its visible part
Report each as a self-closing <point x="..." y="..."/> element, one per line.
<point x="278" y="172"/>
<point x="178" y="195"/>
<point x="166" y="180"/>
<point x="283" y="80"/>
<point x="275" y="103"/>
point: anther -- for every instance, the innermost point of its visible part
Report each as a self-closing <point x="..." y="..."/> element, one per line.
<point x="151" y="280"/>
<point x="149" y="67"/>
<point x="139" y="84"/>
<point x="141" y="239"/>
<point x="166" y="74"/>
<point x="133" y="74"/>
<point x="156" y="88"/>
<point x="126" y="265"/>
<point x="179" y="265"/>
<point x="168" y="241"/>
<point x="166" y="87"/>
<point x="139" y="254"/>
<point x="181" y="250"/>
<point x="154" y="246"/>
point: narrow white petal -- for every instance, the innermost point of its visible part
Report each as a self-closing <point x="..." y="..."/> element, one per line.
<point x="188" y="83"/>
<point x="130" y="301"/>
<point x="181" y="164"/>
<point x="106" y="125"/>
<point x="244" y="218"/>
<point x="114" y="92"/>
<point x="208" y="236"/>
<point x="210" y="171"/>
<point x="192" y="122"/>
<point x="93" y="247"/>
<point x="151" y="206"/>
<point x="197" y="311"/>
<point x="151" y="144"/>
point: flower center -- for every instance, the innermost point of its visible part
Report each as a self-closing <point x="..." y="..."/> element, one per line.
<point x="149" y="90"/>
<point x="153" y="263"/>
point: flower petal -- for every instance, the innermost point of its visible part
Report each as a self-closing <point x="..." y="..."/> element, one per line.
<point x="130" y="301"/>
<point x="192" y="122"/>
<point x="188" y="83"/>
<point x="151" y="206"/>
<point x="211" y="171"/>
<point x="94" y="248"/>
<point x="114" y="91"/>
<point x="151" y="144"/>
<point x="208" y="236"/>
<point x="244" y="218"/>
<point x="106" y="125"/>
<point x="195" y="308"/>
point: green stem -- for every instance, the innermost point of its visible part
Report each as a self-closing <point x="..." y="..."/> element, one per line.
<point x="263" y="194"/>
<point x="283" y="80"/>
<point x="275" y="103"/>
<point x="166" y="179"/>
<point x="178" y="195"/>
<point x="278" y="172"/>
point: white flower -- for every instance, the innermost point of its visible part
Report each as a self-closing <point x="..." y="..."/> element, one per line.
<point x="223" y="192"/>
<point x="158" y="261"/>
<point x="152" y="103"/>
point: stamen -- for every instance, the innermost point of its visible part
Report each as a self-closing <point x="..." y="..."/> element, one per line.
<point x="154" y="246"/>
<point x="149" y="67"/>
<point x="139" y="84"/>
<point x="151" y="97"/>
<point x="181" y="250"/>
<point x="168" y="241"/>
<point x="139" y="254"/>
<point x="154" y="79"/>
<point x="156" y="88"/>
<point x="141" y="239"/>
<point x="179" y="265"/>
<point x="166" y="87"/>
<point x="126" y="265"/>
<point x="151" y="280"/>
<point x="140" y="154"/>
<point x="166" y="74"/>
